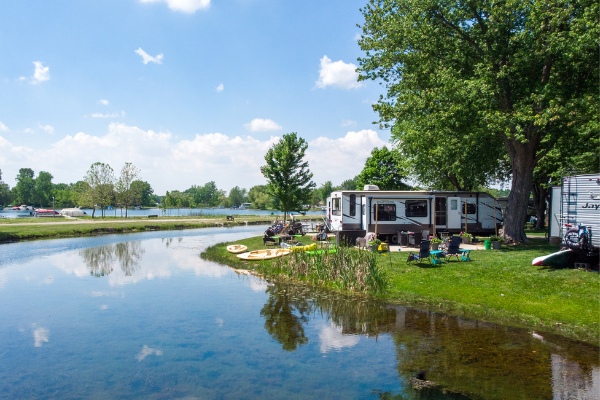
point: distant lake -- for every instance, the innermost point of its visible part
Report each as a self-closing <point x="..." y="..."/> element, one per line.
<point x="142" y="316"/>
<point x="170" y="212"/>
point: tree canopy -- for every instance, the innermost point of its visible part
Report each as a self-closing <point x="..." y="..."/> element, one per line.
<point x="507" y="72"/>
<point x="288" y="176"/>
<point x="383" y="168"/>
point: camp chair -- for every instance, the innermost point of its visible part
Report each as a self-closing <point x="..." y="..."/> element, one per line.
<point x="423" y="253"/>
<point x="453" y="247"/>
<point x="269" y="241"/>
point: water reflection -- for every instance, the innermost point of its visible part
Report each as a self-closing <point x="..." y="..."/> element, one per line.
<point x="289" y="308"/>
<point x="480" y="359"/>
<point x="101" y="260"/>
<point x="284" y="317"/>
<point x="208" y="333"/>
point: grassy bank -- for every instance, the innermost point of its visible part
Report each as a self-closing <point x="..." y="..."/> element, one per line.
<point x="497" y="286"/>
<point x="43" y="229"/>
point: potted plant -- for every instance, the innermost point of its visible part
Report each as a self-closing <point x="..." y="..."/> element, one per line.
<point x="374" y="245"/>
<point x="435" y="243"/>
<point x="496" y="242"/>
<point x="466" y="237"/>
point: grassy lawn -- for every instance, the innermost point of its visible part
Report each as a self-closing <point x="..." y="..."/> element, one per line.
<point x="498" y="286"/>
<point x="83" y="227"/>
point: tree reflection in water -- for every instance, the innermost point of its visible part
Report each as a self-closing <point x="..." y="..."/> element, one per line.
<point x="289" y="307"/>
<point x="281" y="321"/>
<point x="465" y="357"/>
<point x="101" y="260"/>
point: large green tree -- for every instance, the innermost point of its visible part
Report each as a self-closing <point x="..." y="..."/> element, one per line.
<point x="259" y="197"/>
<point x="237" y="196"/>
<point x="43" y="189"/>
<point x="520" y="69"/>
<point x="288" y="176"/>
<point x="25" y="186"/>
<point x="145" y="193"/>
<point x="5" y="196"/>
<point x="385" y="169"/>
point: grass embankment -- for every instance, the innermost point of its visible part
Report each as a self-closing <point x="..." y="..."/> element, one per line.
<point x="497" y="286"/>
<point x="44" y="229"/>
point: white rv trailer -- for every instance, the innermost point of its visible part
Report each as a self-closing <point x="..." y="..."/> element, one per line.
<point x="397" y="211"/>
<point x="575" y="202"/>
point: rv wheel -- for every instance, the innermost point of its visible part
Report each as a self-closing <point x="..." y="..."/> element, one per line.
<point x="394" y="239"/>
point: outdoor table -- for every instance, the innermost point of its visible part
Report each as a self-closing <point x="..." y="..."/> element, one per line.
<point x="284" y="238"/>
<point x="465" y="255"/>
<point x="435" y="257"/>
<point x="408" y="237"/>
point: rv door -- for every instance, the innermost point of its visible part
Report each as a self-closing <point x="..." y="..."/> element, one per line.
<point x="454" y="213"/>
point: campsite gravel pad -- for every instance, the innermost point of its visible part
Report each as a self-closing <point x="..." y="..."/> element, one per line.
<point x="143" y="316"/>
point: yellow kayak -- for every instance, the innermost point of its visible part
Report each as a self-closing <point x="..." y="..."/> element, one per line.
<point x="237" y="248"/>
<point x="264" y="254"/>
<point x="309" y="247"/>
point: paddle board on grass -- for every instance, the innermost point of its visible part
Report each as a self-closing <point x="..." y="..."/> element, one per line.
<point x="266" y="254"/>
<point x="559" y="259"/>
<point x="237" y="248"/>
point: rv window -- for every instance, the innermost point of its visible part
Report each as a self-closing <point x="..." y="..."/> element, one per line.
<point x="386" y="212"/>
<point x="416" y="208"/>
<point x="335" y="209"/>
<point x="454" y="204"/>
<point x="352" y="205"/>
<point x="471" y="208"/>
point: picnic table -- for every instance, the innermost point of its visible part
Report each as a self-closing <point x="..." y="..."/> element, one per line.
<point x="435" y="257"/>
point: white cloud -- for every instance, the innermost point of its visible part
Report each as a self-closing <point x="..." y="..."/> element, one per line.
<point x="147" y="58"/>
<point x="357" y="36"/>
<point x="40" y="335"/>
<point x="350" y="151"/>
<point x="187" y="6"/>
<point x="169" y="163"/>
<point x="262" y="125"/>
<point x="103" y="102"/>
<point x="47" y="128"/>
<point x="107" y="115"/>
<point x="22" y="78"/>
<point x="28" y="130"/>
<point x="337" y="74"/>
<point x="4" y="128"/>
<point x="41" y="73"/>
<point x="220" y="88"/>
<point x="146" y="351"/>
<point x="348" y="122"/>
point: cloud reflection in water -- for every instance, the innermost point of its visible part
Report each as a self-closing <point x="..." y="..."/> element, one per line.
<point x="146" y="351"/>
<point x="40" y="335"/>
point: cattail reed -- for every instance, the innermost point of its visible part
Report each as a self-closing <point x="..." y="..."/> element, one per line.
<point x="347" y="269"/>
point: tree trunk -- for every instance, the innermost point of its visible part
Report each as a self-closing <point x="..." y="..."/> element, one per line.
<point x="522" y="157"/>
<point x="93" y="212"/>
<point x="540" y="193"/>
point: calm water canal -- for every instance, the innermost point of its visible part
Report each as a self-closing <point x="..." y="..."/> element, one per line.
<point x="143" y="316"/>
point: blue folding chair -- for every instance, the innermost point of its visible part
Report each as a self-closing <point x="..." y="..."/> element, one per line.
<point x="423" y="253"/>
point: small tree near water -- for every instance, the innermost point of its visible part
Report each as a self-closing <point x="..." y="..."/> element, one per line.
<point x="127" y="192"/>
<point x="100" y="186"/>
<point x="289" y="178"/>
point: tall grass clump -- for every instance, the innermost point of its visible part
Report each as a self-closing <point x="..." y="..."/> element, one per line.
<point x="346" y="269"/>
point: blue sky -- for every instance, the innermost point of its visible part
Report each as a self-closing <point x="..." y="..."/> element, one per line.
<point x="188" y="90"/>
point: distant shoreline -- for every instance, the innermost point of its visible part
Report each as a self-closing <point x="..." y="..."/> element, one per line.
<point x="65" y="228"/>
